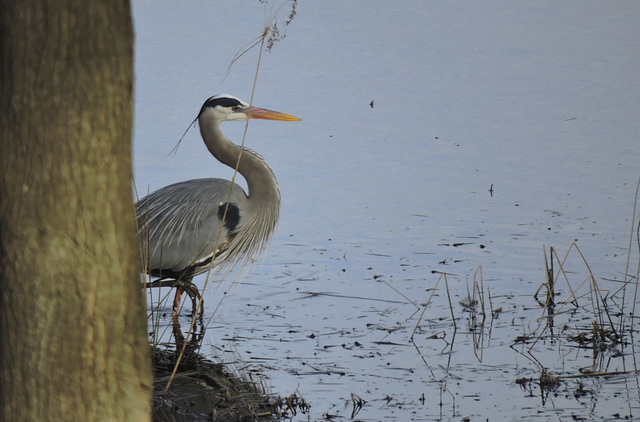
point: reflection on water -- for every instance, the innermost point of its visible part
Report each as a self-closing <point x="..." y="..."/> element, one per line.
<point x="433" y="354"/>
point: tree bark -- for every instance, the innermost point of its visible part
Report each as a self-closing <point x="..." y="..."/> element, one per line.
<point x="73" y="340"/>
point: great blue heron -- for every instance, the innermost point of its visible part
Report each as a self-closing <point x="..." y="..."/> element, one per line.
<point x="183" y="227"/>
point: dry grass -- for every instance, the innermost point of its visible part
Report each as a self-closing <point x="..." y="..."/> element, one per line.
<point x="589" y="317"/>
<point x="579" y="312"/>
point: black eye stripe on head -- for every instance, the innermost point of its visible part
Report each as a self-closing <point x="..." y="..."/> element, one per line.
<point x="222" y="101"/>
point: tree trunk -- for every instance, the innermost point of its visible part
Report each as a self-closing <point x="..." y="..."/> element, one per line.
<point x="73" y="340"/>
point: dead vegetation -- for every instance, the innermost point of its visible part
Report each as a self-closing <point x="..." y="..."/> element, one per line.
<point x="204" y="390"/>
<point x="577" y="314"/>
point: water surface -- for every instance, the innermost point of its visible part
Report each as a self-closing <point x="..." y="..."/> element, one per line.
<point x="538" y="101"/>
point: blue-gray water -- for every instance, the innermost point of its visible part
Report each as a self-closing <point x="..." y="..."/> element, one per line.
<point x="538" y="99"/>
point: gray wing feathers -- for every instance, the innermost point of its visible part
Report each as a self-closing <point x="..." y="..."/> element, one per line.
<point x="181" y="222"/>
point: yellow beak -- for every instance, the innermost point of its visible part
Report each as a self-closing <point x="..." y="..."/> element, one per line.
<point x="263" y="113"/>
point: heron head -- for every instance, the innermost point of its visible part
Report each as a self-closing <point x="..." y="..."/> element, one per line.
<point x="227" y="107"/>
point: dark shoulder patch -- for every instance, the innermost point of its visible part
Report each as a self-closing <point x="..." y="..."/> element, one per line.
<point x="232" y="217"/>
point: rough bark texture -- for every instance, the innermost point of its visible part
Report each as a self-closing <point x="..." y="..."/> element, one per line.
<point x="72" y="322"/>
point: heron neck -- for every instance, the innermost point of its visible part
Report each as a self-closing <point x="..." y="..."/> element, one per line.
<point x="261" y="181"/>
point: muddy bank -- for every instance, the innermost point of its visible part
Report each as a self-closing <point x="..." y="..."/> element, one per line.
<point x="204" y="390"/>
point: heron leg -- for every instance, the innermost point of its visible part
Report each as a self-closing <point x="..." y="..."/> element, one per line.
<point x="195" y="296"/>
<point x="191" y="290"/>
<point x="176" y="302"/>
